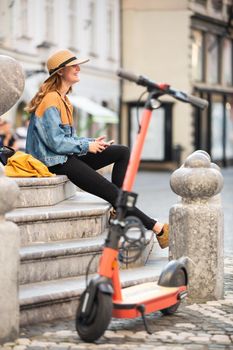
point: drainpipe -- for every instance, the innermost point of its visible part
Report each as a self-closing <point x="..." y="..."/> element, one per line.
<point x="121" y="63"/>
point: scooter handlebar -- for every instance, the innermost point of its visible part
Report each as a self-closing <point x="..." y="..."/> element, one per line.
<point x="197" y="101"/>
<point x="128" y="75"/>
<point x="164" y="88"/>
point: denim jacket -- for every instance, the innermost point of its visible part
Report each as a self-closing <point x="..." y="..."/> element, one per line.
<point x="51" y="136"/>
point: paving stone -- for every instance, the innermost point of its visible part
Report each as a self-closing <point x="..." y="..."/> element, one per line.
<point x="186" y="335"/>
<point x="64" y="333"/>
<point x="20" y="347"/>
<point x="195" y="347"/>
<point x="199" y="339"/>
<point x="220" y="338"/>
<point x="185" y="325"/>
<point x="59" y="347"/>
<point x="113" y="335"/>
<point x="9" y="344"/>
<point x="36" y="347"/>
<point x="23" y="341"/>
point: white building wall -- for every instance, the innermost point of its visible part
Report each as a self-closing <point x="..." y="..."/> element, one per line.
<point x="160" y="51"/>
<point x="23" y="27"/>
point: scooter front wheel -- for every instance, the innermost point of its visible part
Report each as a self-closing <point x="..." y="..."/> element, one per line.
<point x="93" y="327"/>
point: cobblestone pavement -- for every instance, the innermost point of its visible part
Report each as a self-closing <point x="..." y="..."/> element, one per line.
<point x="193" y="327"/>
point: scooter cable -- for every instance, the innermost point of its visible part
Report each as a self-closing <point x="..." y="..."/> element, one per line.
<point x="137" y="110"/>
<point x="88" y="268"/>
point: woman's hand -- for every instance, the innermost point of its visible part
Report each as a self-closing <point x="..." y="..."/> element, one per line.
<point x="96" y="146"/>
<point x="99" y="144"/>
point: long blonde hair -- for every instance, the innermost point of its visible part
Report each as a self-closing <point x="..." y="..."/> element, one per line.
<point x="53" y="84"/>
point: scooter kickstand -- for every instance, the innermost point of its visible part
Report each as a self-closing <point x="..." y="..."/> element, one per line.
<point x="141" y="309"/>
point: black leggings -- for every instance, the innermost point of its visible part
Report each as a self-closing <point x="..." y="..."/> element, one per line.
<point x="81" y="170"/>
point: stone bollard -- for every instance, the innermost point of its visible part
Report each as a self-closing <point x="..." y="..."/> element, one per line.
<point x="11" y="88"/>
<point x="196" y="225"/>
<point x="9" y="262"/>
<point x="11" y="82"/>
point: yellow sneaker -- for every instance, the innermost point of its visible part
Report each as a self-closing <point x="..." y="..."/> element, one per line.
<point x="112" y="215"/>
<point x="163" y="236"/>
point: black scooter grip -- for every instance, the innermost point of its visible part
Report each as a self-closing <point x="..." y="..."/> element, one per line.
<point x="197" y="101"/>
<point x="128" y="75"/>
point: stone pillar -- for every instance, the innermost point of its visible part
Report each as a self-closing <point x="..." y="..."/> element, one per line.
<point x="11" y="82"/>
<point x="11" y="88"/>
<point x="9" y="262"/>
<point x="196" y="225"/>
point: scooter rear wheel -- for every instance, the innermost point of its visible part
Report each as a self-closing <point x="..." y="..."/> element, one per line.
<point x="178" y="279"/>
<point x="93" y="327"/>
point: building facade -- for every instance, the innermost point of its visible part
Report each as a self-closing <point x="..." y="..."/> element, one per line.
<point x="30" y="30"/>
<point x="187" y="44"/>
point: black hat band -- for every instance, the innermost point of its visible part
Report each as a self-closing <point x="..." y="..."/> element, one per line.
<point x="51" y="71"/>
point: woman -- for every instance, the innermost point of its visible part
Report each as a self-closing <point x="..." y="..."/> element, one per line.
<point x="52" y="139"/>
<point x="6" y="136"/>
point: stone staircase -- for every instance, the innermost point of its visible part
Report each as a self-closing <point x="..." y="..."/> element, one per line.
<point x="61" y="229"/>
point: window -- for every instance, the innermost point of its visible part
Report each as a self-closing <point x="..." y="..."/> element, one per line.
<point x="72" y="23"/>
<point x="217" y="5"/>
<point x="217" y="116"/>
<point x="212" y="59"/>
<point x="92" y="28"/>
<point x="227" y="62"/>
<point x="110" y="33"/>
<point x="201" y="2"/>
<point x="197" y="55"/>
<point x="24" y="18"/>
<point x="154" y="147"/>
<point x="49" y="25"/>
<point x="229" y="128"/>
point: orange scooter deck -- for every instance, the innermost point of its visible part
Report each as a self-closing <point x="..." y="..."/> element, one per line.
<point x="152" y="296"/>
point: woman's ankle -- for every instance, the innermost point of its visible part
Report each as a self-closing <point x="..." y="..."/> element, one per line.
<point x="158" y="226"/>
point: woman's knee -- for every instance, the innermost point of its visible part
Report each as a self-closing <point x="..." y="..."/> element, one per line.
<point x="124" y="151"/>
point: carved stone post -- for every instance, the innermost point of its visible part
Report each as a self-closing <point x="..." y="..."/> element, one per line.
<point x="9" y="262"/>
<point x="11" y="88"/>
<point x="196" y="225"/>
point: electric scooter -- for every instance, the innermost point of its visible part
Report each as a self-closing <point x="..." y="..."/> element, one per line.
<point x="103" y="298"/>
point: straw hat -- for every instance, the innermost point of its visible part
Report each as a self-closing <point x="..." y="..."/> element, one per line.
<point x="60" y="59"/>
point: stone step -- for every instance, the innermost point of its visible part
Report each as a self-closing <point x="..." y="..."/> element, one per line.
<point x="63" y="259"/>
<point x="47" y="301"/>
<point x="36" y="192"/>
<point x="80" y="216"/>
<point x="56" y="260"/>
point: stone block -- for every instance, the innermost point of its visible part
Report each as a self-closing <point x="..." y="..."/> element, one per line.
<point x="196" y="226"/>
<point x="37" y="192"/>
<point x="9" y="267"/>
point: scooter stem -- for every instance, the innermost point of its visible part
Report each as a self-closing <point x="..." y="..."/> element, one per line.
<point x="136" y="152"/>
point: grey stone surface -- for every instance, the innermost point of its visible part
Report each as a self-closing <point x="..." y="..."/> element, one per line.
<point x="9" y="263"/>
<point x="11" y="82"/>
<point x="36" y="192"/>
<point x="190" y="328"/>
<point x="58" y="299"/>
<point x="59" y="260"/>
<point x="63" y="259"/>
<point x="81" y="216"/>
<point x="196" y="226"/>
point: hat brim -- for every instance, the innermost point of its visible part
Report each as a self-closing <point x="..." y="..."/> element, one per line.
<point x="73" y="63"/>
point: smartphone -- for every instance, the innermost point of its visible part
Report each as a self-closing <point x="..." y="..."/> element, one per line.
<point x="110" y="142"/>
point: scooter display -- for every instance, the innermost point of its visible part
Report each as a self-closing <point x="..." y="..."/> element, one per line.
<point x="104" y="298"/>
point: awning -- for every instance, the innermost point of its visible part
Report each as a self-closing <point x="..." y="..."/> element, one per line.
<point x="31" y="87"/>
<point x="100" y="114"/>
